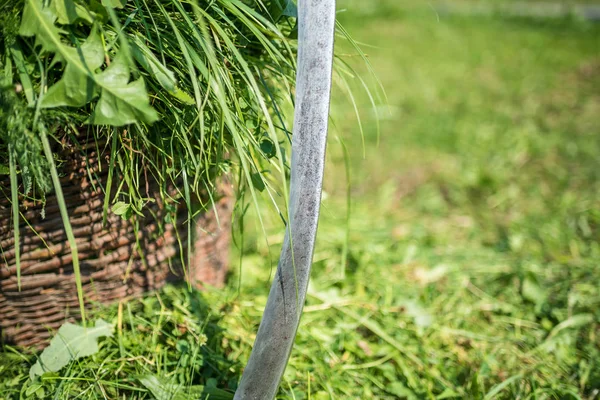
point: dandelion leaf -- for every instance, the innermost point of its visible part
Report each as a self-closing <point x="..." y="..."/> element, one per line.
<point x="70" y="343"/>
<point x="114" y="3"/>
<point x="121" y="102"/>
<point x="77" y="87"/>
<point x="39" y="21"/>
<point x="69" y="12"/>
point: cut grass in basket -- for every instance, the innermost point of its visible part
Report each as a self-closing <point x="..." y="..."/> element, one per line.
<point x="178" y="91"/>
<point x="214" y="74"/>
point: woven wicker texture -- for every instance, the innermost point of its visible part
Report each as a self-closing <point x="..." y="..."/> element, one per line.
<point x="112" y="266"/>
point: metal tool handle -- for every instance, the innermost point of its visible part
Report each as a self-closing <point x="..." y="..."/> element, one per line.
<point x="277" y="331"/>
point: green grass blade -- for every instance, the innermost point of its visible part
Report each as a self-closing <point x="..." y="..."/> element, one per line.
<point x="62" y="205"/>
<point x="493" y="393"/>
<point x="352" y="99"/>
<point x="111" y="169"/>
<point x="14" y="191"/>
<point x="188" y="222"/>
<point x="346" y="35"/>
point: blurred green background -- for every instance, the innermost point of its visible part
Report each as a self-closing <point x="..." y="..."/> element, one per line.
<point x="472" y="266"/>
<point x="459" y="247"/>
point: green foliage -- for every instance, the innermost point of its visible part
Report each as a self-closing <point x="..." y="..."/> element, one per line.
<point x="70" y="343"/>
<point x="120" y="102"/>
<point x="212" y="73"/>
<point x="10" y="18"/>
<point x="168" y="345"/>
<point x="17" y="135"/>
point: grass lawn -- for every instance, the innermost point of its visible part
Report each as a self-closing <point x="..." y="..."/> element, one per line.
<point x="471" y="266"/>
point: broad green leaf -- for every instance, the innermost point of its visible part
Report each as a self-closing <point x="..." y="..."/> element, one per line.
<point x="114" y="3"/>
<point x="123" y="209"/>
<point x="98" y="10"/>
<point x="120" y="102"/>
<point x="68" y="11"/>
<point x="160" y="389"/>
<point x="39" y="21"/>
<point x="76" y="89"/>
<point x="70" y="343"/>
<point x="120" y="208"/>
<point x="35" y="390"/>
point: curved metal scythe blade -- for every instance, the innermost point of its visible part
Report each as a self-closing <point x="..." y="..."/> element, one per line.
<point x="273" y="345"/>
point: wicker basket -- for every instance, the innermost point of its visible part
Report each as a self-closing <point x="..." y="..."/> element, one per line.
<point x="112" y="267"/>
